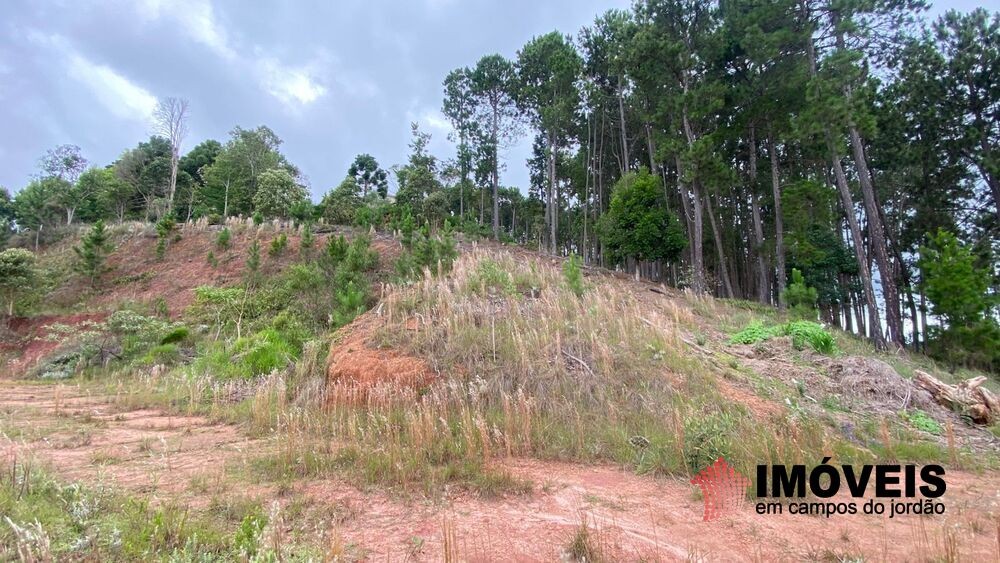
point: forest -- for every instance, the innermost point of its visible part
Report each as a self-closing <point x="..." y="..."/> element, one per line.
<point x="838" y="156"/>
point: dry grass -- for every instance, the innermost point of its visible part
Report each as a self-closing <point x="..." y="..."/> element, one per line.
<point x="525" y="368"/>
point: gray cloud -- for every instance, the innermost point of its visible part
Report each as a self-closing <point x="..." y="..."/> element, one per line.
<point x="331" y="78"/>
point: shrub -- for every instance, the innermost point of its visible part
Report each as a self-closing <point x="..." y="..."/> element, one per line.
<point x="278" y="245"/>
<point x="212" y="260"/>
<point x="222" y="241"/>
<point x="490" y="277"/>
<point x="922" y="421"/>
<point x="802" y="332"/>
<point x="92" y="252"/>
<point x="166" y="354"/>
<point x="18" y="275"/>
<point x="753" y="333"/>
<point x="262" y="353"/>
<point x="800" y="297"/>
<point x="175" y="335"/>
<point x="350" y="302"/>
<point x="436" y="253"/>
<point x="573" y="273"/>
<point x="307" y="241"/>
<point x="253" y="260"/>
<point x="164" y="228"/>
<point x="813" y="334"/>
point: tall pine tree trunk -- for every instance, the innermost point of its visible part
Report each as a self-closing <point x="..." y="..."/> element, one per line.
<point x="758" y="224"/>
<point x="727" y="283"/>
<point x="779" y="227"/>
<point x="876" y="233"/>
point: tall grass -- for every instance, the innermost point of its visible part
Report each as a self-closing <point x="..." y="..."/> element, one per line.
<point x="526" y="367"/>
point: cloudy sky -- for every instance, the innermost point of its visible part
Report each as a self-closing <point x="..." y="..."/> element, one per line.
<point x="332" y="79"/>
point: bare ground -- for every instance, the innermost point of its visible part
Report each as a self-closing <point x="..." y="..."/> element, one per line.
<point x="148" y="452"/>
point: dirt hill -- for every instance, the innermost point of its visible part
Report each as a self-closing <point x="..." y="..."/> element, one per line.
<point x="497" y="411"/>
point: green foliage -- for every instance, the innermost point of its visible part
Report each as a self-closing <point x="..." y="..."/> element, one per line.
<point x="753" y="333"/>
<point x="18" y="275"/>
<point x="340" y="204"/>
<point x="491" y="278"/>
<point x="573" y="273"/>
<point x="922" y="421"/>
<point x="960" y="297"/>
<point x="803" y="333"/>
<point x="253" y="259"/>
<point x="800" y="297"/>
<point x="407" y="228"/>
<point x="707" y="437"/>
<point x="435" y="253"/>
<point x="258" y="218"/>
<point x="164" y="229"/>
<point x="165" y="354"/>
<point x="335" y="252"/>
<point x="278" y="245"/>
<point x="176" y="335"/>
<point x="222" y="241"/>
<point x="277" y="193"/>
<point x="92" y="252"/>
<point x="262" y="352"/>
<point x="138" y="333"/>
<point x="306" y="241"/>
<point x="810" y="333"/>
<point x="247" y="537"/>
<point x="638" y="223"/>
<point x="212" y="260"/>
<point x="351" y="301"/>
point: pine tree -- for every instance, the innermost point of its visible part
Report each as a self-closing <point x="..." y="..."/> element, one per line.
<point x="92" y="252"/>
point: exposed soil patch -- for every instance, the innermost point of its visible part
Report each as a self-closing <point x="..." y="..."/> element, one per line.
<point x="630" y="517"/>
<point x="354" y="361"/>
<point x="28" y="340"/>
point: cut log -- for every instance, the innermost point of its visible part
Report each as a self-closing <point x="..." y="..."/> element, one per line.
<point x="968" y="397"/>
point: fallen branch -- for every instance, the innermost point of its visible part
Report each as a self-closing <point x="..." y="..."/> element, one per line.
<point x="968" y="397"/>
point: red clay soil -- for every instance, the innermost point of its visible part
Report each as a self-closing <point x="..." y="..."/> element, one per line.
<point x="355" y="361"/>
<point x="29" y="339"/>
<point x="629" y="517"/>
<point x="138" y="275"/>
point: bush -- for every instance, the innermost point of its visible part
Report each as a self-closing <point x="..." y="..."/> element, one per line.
<point x="800" y="297"/>
<point x="262" y="353"/>
<point x="813" y="334"/>
<point x="436" y="253"/>
<point x="490" y="277"/>
<point x="165" y="354"/>
<point x="164" y="228"/>
<point x="212" y="260"/>
<point x="573" y="273"/>
<point x="753" y="333"/>
<point x="803" y="333"/>
<point x="92" y="252"/>
<point x="922" y="421"/>
<point x="178" y="334"/>
<point x="278" y="245"/>
<point x="307" y="241"/>
<point x="959" y="291"/>
<point x="222" y="241"/>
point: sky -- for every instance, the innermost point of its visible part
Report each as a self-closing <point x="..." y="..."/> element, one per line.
<point x="332" y="79"/>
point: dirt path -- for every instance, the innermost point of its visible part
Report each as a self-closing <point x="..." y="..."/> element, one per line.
<point x="630" y="518"/>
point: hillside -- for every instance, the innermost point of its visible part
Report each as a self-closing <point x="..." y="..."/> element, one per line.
<point x="499" y="408"/>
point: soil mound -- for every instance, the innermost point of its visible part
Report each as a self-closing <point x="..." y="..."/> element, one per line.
<point x="354" y="361"/>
